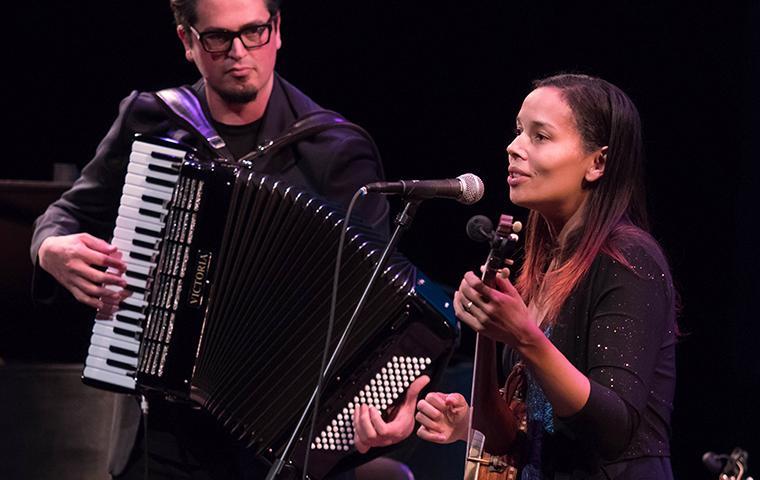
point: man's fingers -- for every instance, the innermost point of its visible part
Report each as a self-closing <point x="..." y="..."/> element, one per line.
<point x="429" y="423"/>
<point x="436" y="399"/>
<point x="97" y="244"/>
<point x="431" y="435"/>
<point x="95" y="290"/>
<point x="363" y="424"/>
<point x="430" y="410"/>
<point x="93" y="257"/>
<point x="361" y="447"/>
<point x="82" y="297"/>
<point x="414" y="390"/>
<point x="379" y="425"/>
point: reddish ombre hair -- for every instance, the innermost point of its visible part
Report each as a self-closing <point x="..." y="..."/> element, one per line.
<point x="615" y="206"/>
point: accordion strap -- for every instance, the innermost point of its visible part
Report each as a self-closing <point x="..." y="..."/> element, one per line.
<point x="184" y="104"/>
<point x="303" y="127"/>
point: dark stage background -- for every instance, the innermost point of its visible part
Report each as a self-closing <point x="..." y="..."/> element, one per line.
<point x="438" y="85"/>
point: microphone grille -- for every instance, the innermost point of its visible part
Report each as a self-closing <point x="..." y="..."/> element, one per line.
<point x="472" y="188"/>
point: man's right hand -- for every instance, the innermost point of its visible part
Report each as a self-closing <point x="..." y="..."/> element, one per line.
<point x="443" y="417"/>
<point x="72" y="260"/>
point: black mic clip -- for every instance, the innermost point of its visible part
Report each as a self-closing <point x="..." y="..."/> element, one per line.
<point x="729" y="467"/>
<point x="480" y="229"/>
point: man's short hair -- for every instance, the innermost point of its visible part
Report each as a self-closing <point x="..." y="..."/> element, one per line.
<point x="185" y="11"/>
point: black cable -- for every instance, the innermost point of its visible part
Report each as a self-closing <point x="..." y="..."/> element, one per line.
<point x="330" y="325"/>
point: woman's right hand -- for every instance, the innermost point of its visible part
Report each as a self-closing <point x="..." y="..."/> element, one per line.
<point x="443" y="417"/>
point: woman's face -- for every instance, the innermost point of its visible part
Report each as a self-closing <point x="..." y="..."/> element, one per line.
<point x="547" y="159"/>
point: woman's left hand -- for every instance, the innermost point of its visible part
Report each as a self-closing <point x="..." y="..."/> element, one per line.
<point x="498" y="313"/>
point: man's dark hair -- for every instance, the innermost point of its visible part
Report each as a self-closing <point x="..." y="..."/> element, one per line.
<point x="185" y="11"/>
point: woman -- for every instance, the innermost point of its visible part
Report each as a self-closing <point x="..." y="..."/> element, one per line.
<point x="592" y="312"/>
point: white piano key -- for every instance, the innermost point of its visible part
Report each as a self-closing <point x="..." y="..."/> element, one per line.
<point x="148" y="148"/>
<point x="133" y="224"/>
<point x="147" y="159"/>
<point x="113" y="338"/>
<point x="100" y="352"/>
<point x="132" y="212"/>
<point x="126" y="246"/>
<point x="105" y="376"/>
<point x="140" y="204"/>
<point x="139" y="192"/>
<point x="114" y="323"/>
<point x="102" y="364"/>
<point x="134" y="294"/>
<point x="135" y="302"/>
<point x="139" y="181"/>
<point x="145" y="172"/>
<point x="130" y="235"/>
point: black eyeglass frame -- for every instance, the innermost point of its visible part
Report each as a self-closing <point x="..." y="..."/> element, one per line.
<point x="231" y="36"/>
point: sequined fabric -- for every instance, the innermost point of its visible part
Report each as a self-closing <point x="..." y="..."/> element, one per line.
<point x="540" y="423"/>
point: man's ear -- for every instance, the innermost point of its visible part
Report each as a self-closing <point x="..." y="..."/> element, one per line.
<point x="184" y="37"/>
<point x="276" y="31"/>
<point x="596" y="170"/>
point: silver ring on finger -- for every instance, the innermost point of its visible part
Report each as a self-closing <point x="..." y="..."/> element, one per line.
<point x="467" y="306"/>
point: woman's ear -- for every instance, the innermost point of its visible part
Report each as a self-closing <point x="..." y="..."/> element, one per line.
<point x="596" y="170"/>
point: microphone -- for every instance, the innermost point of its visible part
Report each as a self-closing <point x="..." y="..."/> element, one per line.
<point x="714" y="461"/>
<point x="730" y="466"/>
<point x="467" y="188"/>
<point x="480" y="228"/>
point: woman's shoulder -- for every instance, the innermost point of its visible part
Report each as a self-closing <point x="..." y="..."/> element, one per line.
<point x="633" y="249"/>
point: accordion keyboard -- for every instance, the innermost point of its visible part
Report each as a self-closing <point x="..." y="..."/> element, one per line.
<point x="151" y="176"/>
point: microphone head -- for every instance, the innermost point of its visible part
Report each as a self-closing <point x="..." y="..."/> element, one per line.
<point x="479" y="228"/>
<point x="714" y="462"/>
<point x="472" y="188"/>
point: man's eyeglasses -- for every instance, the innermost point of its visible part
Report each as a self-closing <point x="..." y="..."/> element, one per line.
<point x="220" y="41"/>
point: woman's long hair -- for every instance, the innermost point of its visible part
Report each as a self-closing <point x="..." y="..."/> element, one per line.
<point x="615" y="206"/>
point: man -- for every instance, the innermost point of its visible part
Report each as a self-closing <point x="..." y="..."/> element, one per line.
<point x="234" y="44"/>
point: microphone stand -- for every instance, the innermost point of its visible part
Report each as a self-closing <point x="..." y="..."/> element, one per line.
<point x="402" y="221"/>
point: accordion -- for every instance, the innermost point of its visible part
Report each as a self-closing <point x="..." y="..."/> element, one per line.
<point x="230" y="274"/>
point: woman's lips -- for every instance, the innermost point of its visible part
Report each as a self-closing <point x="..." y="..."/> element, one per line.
<point x="516" y="177"/>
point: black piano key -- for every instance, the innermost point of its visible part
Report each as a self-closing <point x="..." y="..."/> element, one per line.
<point x="124" y="366"/>
<point x="137" y="275"/>
<point x="122" y="351"/>
<point x="158" y="181"/>
<point x="144" y="244"/>
<point x="129" y="320"/>
<point x="159" y="168"/>
<point x="135" y="289"/>
<point x="140" y="256"/>
<point x="149" y="213"/>
<point x="131" y="308"/>
<point x="147" y="231"/>
<point x="166" y="156"/>
<point x="150" y="199"/>
<point x="126" y="333"/>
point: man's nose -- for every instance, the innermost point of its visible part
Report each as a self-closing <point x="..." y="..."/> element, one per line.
<point x="237" y="49"/>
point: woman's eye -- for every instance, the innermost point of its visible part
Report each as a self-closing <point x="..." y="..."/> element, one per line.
<point x="517" y="131"/>
<point x="540" y="137"/>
